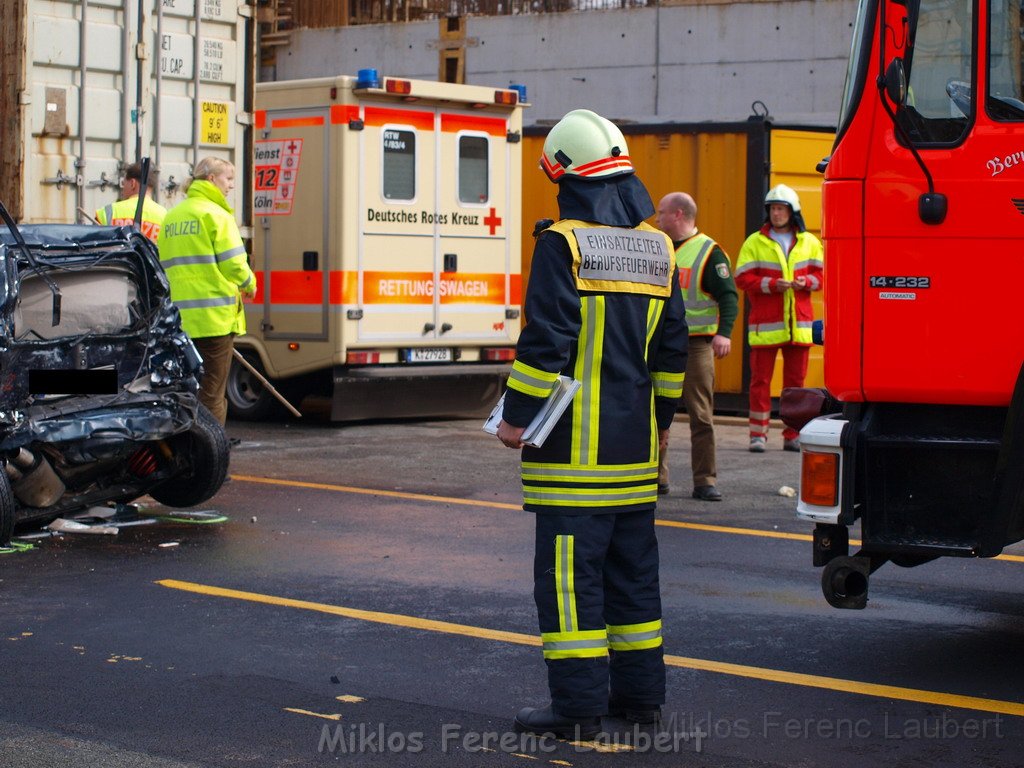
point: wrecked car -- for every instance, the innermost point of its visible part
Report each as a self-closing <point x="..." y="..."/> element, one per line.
<point x="97" y="380"/>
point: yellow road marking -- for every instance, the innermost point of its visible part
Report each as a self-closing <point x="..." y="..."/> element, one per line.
<point x="734" y="531"/>
<point x="393" y="619"/>
<point x="312" y="714"/>
<point x="349" y="699"/>
<point x="738" y="670"/>
<point x="600" y="746"/>
<point x="371" y="492"/>
<point x="501" y="505"/>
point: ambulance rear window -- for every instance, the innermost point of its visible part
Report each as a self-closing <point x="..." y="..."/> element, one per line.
<point x="473" y="169"/>
<point x="399" y="164"/>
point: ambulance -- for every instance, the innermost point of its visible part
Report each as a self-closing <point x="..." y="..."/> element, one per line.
<point x="386" y="219"/>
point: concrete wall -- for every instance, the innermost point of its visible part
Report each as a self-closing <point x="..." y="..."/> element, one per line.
<point x="679" y="63"/>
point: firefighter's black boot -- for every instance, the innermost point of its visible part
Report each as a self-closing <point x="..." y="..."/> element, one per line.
<point x="544" y="721"/>
<point x="641" y="715"/>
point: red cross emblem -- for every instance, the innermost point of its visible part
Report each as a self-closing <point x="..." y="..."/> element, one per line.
<point x="492" y="220"/>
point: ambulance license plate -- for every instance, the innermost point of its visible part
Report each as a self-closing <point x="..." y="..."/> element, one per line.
<point x="429" y="355"/>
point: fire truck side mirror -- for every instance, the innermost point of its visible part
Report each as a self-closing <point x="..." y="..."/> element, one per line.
<point x="896" y="82"/>
<point x="932" y="207"/>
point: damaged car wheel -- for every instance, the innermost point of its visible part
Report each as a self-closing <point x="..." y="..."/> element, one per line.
<point x="205" y="447"/>
<point x="6" y="509"/>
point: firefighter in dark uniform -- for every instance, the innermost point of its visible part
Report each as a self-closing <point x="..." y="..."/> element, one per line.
<point x="603" y="306"/>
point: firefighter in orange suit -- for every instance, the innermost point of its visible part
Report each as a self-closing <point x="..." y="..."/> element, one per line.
<point x="604" y="306"/>
<point x="779" y="266"/>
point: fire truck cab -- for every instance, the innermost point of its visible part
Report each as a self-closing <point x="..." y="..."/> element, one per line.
<point x="386" y="245"/>
<point x="923" y="225"/>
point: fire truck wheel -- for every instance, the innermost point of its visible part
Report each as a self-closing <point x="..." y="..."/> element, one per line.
<point x="207" y="449"/>
<point x="6" y="509"/>
<point x="248" y="399"/>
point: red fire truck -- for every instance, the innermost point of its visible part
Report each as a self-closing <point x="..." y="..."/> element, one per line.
<point x="923" y="224"/>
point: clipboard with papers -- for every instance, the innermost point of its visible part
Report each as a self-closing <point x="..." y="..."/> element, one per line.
<point x="538" y="430"/>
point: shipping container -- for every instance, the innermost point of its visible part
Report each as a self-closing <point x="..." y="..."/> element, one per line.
<point x="94" y="85"/>
<point x="728" y="168"/>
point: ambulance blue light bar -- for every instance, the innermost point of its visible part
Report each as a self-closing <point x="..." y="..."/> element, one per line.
<point x="367" y="78"/>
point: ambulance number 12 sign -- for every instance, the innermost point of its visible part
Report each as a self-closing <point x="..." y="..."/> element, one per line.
<point x="276" y="170"/>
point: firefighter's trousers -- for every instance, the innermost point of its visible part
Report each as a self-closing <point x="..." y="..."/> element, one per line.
<point x="599" y="607"/>
<point x="762" y="366"/>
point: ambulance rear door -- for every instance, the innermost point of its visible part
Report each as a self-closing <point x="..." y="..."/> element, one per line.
<point x="290" y="204"/>
<point x="398" y="194"/>
<point x="474" y="259"/>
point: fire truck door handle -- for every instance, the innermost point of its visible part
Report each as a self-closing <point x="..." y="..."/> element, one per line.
<point x="310" y="261"/>
<point x="445" y="327"/>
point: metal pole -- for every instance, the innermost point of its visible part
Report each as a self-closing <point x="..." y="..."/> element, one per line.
<point x="196" y="106"/>
<point x="82" y="72"/>
<point x="262" y="380"/>
<point x="158" y="71"/>
<point x="126" y="55"/>
<point x="657" y="53"/>
<point x="139" y="110"/>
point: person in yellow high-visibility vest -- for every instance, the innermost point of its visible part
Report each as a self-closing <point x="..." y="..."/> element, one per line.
<point x="122" y="212"/>
<point x="201" y="251"/>
<point x="712" y="305"/>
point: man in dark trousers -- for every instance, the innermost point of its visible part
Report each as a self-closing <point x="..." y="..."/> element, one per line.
<point x="603" y="306"/>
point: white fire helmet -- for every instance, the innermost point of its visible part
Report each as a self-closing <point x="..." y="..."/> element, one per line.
<point x="585" y="145"/>
<point x="780" y="193"/>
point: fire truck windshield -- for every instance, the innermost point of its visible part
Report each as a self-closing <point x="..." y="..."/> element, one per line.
<point x="939" y="65"/>
<point x="856" y="70"/>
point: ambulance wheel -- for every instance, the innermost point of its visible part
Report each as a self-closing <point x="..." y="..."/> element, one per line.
<point x="248" y="399"/>
<point x="206" y="446"/>
<point x="6" y="509"/>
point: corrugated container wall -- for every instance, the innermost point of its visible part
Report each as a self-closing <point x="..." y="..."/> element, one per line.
<point x="714" y="164"/>
<point x="85" y="93"/>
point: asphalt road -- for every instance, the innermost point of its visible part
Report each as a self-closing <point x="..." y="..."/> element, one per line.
<point x="368" y="602"/>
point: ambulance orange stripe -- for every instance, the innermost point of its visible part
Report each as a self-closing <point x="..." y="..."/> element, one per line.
<point x="297" y="122"/>
<point x="515" y="290"/>
<point x="296" y="287"/>
<point x="305" y="288"/>
<point x="261" y="119"/>
<point x="343" y="288"/>
<point x="419" y="288"/>
<point x="495" y="126"/>
<point x="342" y="113"/>
<point x="380" y="116"/>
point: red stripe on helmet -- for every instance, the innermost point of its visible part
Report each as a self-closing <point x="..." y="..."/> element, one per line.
<point x="553" y="171"/>
<point x="605" y="164"/>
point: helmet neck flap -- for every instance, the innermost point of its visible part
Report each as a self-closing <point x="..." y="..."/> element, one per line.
<point x="620" y="201"/>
